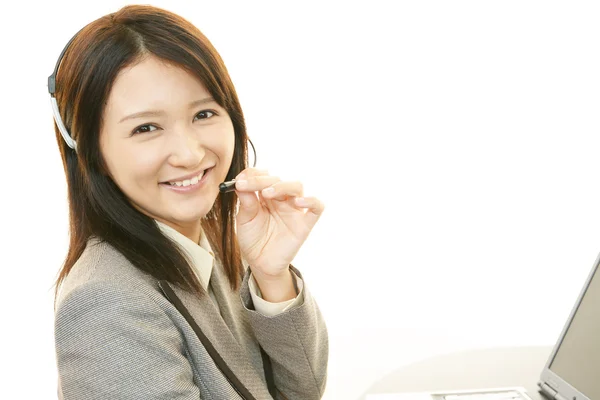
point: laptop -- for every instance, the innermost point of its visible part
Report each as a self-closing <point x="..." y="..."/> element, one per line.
<point x="572" y="371"/>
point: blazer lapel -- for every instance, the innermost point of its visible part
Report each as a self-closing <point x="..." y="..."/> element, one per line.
<point x="211" y="324"/>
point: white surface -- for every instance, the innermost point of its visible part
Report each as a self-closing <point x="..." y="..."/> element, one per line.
<point x="455" y="145"/>
<point x="403" y="396"/>
<point x="480" y="394"/>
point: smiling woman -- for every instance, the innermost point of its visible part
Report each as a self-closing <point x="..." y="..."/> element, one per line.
<point x="171" y="289"/>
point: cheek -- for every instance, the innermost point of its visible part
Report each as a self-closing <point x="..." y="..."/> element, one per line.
<point x="229" y="142"/>
<point x="230" y="146"/>
<point x="222" y="143"/>
<point x="132" y="168"/>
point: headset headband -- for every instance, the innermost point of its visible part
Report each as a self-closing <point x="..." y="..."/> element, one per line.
<point x="52" y="89"/>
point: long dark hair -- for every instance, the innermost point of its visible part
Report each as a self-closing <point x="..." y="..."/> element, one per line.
<point x="97" y="207"/>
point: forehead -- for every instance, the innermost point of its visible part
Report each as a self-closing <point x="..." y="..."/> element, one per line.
<point x="153" y="84"/>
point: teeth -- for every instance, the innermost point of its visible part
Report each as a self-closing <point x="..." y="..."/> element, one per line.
<point x="188" y="182"/>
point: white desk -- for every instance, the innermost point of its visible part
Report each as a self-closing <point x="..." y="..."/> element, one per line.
<point x="473" y="369"/>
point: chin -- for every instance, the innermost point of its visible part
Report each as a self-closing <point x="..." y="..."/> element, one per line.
<point x="192" y="215"/>
<point x="189" y="217"/>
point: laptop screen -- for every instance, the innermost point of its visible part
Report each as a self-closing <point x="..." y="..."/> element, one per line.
<point x="577" y="360"/>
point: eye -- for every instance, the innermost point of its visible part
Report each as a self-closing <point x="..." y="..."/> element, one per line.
<point x="206" y="114"/>
<point x="144" y="129"/>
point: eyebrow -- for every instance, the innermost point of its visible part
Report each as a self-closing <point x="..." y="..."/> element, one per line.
<point x="154" y="113"/>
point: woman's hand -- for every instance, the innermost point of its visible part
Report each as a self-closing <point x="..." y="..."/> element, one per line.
<point x="273" y="221"/>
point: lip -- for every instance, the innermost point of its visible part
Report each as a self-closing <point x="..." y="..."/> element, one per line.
<point x="189" y="188"/>
<point x="189" y="176"/>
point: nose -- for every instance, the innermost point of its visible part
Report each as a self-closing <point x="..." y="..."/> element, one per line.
<point x="187" y="150"/>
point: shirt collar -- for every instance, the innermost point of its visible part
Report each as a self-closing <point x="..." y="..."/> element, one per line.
<point x="201" y="254"/>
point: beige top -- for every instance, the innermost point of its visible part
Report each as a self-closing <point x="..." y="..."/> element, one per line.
<point x="203" y="258"/>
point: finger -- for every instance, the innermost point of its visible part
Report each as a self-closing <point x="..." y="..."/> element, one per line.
<point x="314" y="206"/>
<point x="255" y="183"/>
<point x="283" y="190"/>
<point x="249" y="206"/>
<point x="250" y="172"/>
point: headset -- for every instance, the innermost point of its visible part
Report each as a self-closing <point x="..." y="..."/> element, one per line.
<point x="52" y="89"/>
<point x="59" y="122"/>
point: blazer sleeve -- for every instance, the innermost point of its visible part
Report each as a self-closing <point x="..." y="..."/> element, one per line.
<point x="297" y="343"/>
<point x="115" y="343"/>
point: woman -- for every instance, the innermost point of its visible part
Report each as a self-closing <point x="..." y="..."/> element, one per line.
<point x="171" y="289"/>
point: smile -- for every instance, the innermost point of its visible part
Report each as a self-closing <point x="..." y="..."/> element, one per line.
<point x="188" y="185"/>
<point x="188" y="182"/>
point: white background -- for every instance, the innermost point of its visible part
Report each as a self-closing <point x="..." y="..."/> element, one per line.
<point x="454" y="144"/>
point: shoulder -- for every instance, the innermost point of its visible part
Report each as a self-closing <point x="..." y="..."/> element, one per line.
<point x="102" y="266"/>
<point x="104" y="294"/>
<point x="113" y="330"/>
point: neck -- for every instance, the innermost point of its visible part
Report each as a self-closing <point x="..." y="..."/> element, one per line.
<point x="191" y="230"/>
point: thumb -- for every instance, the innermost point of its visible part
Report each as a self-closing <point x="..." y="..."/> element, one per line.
<point x="248" y="203"/>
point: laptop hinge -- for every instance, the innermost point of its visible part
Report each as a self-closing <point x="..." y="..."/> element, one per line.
<point x="551" y="393"/>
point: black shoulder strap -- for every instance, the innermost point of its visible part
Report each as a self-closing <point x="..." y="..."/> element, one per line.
<point x="223" y="367"/>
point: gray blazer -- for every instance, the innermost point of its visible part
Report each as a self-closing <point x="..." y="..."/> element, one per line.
<point x="119" y="335"/>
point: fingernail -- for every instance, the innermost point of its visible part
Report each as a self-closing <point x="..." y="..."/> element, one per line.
<point x="241" y="176"/>
<point x="301" y="201"/>
<point x="269" y="190"/>
<point x="240" y="184"/>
